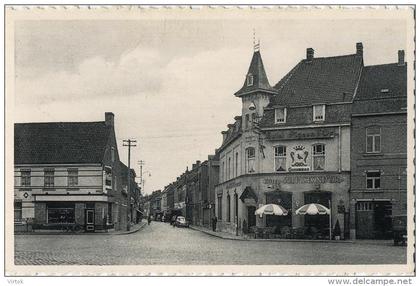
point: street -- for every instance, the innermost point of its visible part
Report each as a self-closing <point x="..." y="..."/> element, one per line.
<point x="160" y="243"/>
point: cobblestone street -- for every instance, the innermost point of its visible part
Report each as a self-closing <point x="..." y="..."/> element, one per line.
<point x="160" y="243"/>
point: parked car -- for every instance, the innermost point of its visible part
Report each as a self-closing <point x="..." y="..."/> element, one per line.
<point x="181" y="222"/>
<point x="399" y="229"/>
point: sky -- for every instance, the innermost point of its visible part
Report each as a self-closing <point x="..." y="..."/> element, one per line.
<point x="171" y="82"/>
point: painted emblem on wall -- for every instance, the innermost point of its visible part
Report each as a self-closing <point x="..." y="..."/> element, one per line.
<point x="299" y="157"/>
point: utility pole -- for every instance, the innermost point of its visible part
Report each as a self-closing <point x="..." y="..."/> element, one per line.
<point x="129" y="143"/>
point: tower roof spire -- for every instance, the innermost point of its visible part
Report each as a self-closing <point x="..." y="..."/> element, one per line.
<point x="256" y="78"/>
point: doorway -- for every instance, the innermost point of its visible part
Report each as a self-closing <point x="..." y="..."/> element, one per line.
<point x="252" y="220"/>
<point x="90" y="220"/>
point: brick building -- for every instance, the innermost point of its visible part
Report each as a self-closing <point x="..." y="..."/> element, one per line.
<point x="69" y="173"/>
<point x="379" y="150"/>
<point x="290" y="146"/>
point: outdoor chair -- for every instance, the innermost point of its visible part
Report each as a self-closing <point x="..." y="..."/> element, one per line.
<point x="285" y="232"/>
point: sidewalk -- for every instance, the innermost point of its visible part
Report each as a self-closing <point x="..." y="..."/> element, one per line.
<point x="134" y="228"/>
<point x="230" y="236"/>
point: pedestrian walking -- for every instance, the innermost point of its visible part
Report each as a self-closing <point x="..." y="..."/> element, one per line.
<point x="214" y="223"/>
<point x="149" y="219"/>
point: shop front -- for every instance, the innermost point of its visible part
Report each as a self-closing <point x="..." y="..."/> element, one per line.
<point x="291" y="191"/>
<point x="73" y="215"/>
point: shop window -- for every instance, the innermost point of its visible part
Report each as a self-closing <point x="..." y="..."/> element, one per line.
<point x="228" y="208"/>
<point x="280" y="158"/>
<point x="280" y="115"/>
<point x="318" y="113"/>
<point x="319" y="222"/>
<point x="18" y="211"/>
<point x="60" y="213"/>
<point x="373" y="179"/>
<point x="283" y="199"/>
<point x="219" y="207"/>
<point x="373" y="139"/>
<point x="49" y="178"/>
<point x="72" y="177"/>
<point x="25" y="175"/>
<point x="318" y="157"/>
<point x="250" y="80"/>
<point x="250" y="160"/>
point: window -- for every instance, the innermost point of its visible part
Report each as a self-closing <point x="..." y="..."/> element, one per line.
<point x="373" y="179"/>
<point x="25" y="176"/>
<point x="318" y="157"/>
<point x="228" y="208"/>
<point x="112" y="154"/>
<point x="250" y="160"/>
<point x="72" y="177"/>
<point x="60" y="212"/>
<point x="280" y="158"/>
<point x="280" y="115"/>
<point x="219" y="207"/>
<point x="18" y="211"/>
<point x="49" y="177"/>
<point x="236" y="164"/>
<point x="250" y="80"/>
<point x="373" y="139"/>
<point x="319" y="112"/>
<point x="223" y="171"/>
<point x="254" y="120"/>
<point x="108" y="177"/>
<point x="364" y="206"/>
<point x="228" y="169"/>
<point x="246" y="121"/>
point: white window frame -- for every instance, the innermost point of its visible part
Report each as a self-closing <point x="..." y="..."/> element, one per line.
<point x="280" y="156"/>
<point x="323" y="113"/>
<point x="249" y="80"/>
<point x="374" y="138"/>
<point x="27" y="181"/>
<point x="72" y="173"/>
<point x="373" y="179"/>
<point x="314" y="155"/>
<point x="248" y="159"/>
<point x="49" y="183"/>
<point x="277" y="119"/>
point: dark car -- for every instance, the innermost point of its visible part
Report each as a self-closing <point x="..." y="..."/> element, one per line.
<point x="399" y="229"/>
<point x="181" y="222"/>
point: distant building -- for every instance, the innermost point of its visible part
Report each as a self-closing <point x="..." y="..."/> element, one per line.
<point x="69" y="173"/>
<point x="379" y="150"/>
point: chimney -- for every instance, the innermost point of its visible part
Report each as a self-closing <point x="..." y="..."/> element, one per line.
<point x="359" y="49"/>
<point x="109" y="119"/>
<point x="401" y="60"/>
<point x="198" y="162"/>
<point x="309" y="54"/>
<point x="224" y="135"/>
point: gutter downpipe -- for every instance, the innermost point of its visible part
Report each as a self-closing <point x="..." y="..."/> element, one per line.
<point x="339" y="149"/>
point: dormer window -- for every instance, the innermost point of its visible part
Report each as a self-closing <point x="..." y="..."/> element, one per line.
<point x="319" y="113"/>
<point x="280" y="115"/>
<point x="249" y="80"/>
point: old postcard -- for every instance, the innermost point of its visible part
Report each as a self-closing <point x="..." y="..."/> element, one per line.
<point x="195" y="140"/>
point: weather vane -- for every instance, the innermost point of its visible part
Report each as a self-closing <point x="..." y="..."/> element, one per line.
<point x="256" y="44"/>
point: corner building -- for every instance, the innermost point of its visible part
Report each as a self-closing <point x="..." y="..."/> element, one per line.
<point x="290" y="146"/>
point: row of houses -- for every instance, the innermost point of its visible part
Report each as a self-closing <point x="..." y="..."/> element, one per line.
<point x="70" y="174"/>
<point x="191" y="195"/>
<point x="332" y="131"/>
